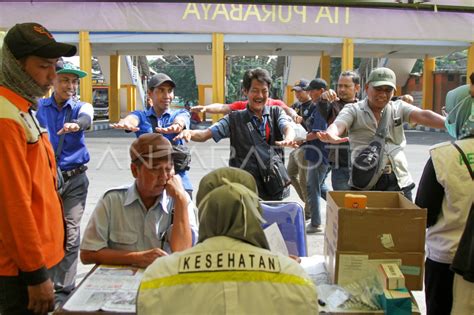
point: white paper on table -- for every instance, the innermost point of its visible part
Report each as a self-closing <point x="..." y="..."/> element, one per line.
<point x="112" y="289"/>
<point x="352" y="268"/>
<point x="275" y="239"/>
<point x="315" y="267"/>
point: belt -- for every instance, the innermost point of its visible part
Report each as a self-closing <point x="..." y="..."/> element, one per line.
<point x="76" y="171"/>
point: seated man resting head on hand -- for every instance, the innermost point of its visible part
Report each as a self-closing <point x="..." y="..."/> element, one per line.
<point x="231" y="267"/>
<point x="134" y="225"/>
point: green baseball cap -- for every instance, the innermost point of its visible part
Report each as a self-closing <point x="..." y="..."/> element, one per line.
<point x="67" y="67"/>
<point x="382" y="76"/>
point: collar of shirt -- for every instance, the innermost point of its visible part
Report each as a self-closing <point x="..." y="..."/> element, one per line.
<point x="265" y="113"/>
<point x="51" y="101"/>
<point x="133" y="196"/>
<point x="365" y="106"/>
<point x="262" y="124"/>
<point x="151" y="112"/>
<point x="21" y="103"/>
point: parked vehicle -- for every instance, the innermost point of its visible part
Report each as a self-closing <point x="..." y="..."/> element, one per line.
<point x="100" y="101"/>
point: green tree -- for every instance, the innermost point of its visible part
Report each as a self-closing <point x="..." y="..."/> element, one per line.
<point x="181" y="70"/>
<point x="453" y="61"/>
<point x="236" y="67"/>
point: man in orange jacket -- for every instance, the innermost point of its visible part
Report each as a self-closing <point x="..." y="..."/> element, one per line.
<point x="31" y="224"/>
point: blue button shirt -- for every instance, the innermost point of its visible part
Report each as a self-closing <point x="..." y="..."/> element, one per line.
<point x="315" y="150"/>
<point x="145" y="125"/>
<point x="74" y="152"/>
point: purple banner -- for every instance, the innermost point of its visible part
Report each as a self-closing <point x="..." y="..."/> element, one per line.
<point x="243" y="19"/>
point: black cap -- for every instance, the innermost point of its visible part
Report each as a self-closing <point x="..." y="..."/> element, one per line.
<point x="28" y="39"/>
<point x="159" y="79"/>
<point x="317" y="84"/>
<point x="300" y="85"/>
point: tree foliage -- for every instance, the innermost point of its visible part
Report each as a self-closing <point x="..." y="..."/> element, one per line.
<point x="236" y="67"/>
<point x="181" y="70"/>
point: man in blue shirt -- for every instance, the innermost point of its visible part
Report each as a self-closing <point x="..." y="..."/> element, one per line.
<point x="66" y="118"/>
<point x="159" y="118"/>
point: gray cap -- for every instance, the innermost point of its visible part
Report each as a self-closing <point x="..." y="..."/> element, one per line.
<point x="382" y="76"/>
<point x="159" y="79"/>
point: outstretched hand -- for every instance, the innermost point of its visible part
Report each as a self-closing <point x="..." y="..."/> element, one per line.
<point x="287" y="143"/>
<point x="68" y="128"/>
<point x="198" y="109"/>
<point x="185" y="134"/>
<point x="174" y="128"/>
<point x="125" y="125"/>
<point x="328" y="137"/>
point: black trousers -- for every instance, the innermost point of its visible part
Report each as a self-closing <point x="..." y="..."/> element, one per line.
<point x="13" y="296"/>
<point x="438" y="288"/>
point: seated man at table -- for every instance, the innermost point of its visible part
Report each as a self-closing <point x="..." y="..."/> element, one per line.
<point x="134" y="225"/>
<point x="231" y="270"/>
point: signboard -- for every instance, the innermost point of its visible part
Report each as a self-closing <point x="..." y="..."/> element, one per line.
<point x="229" y="18"/>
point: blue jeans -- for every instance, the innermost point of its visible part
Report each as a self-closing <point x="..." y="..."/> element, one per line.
<point x="340" y="178"/>
<point x="317" y="173"/>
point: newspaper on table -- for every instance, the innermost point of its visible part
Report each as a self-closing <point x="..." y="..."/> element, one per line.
<point x="108" y="288"/>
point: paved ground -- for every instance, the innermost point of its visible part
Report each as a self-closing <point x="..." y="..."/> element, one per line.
<point x="109" y="167"/>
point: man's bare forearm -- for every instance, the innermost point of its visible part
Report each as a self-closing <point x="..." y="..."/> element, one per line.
<point x="427" y="118"/>
<point x="181" y="237"/>
<point x="217" y="108"/>
<point x="109" y="256"/>
<point x="200" y="135"/>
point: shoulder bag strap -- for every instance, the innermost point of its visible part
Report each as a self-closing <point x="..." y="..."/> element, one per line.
<point x="254" y="134"/>
<point x="466" y="162"/>
<point x="383" y="125"/>
<point x="273" y="123"/>
<point x="154" y="122"/>
<point x="61" y="138"/>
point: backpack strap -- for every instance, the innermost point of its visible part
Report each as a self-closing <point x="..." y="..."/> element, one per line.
<point x="466" y="161"/>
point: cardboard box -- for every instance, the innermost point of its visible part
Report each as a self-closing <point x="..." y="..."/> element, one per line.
<point x="390" y="229"/>
<point x="390" y="276"/>
<point x="396" y="302"/>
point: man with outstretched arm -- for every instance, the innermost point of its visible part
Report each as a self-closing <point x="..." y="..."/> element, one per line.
<point x="361" y="120"/>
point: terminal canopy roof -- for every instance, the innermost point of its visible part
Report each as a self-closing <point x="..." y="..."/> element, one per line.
<point x="156" y="28"/>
